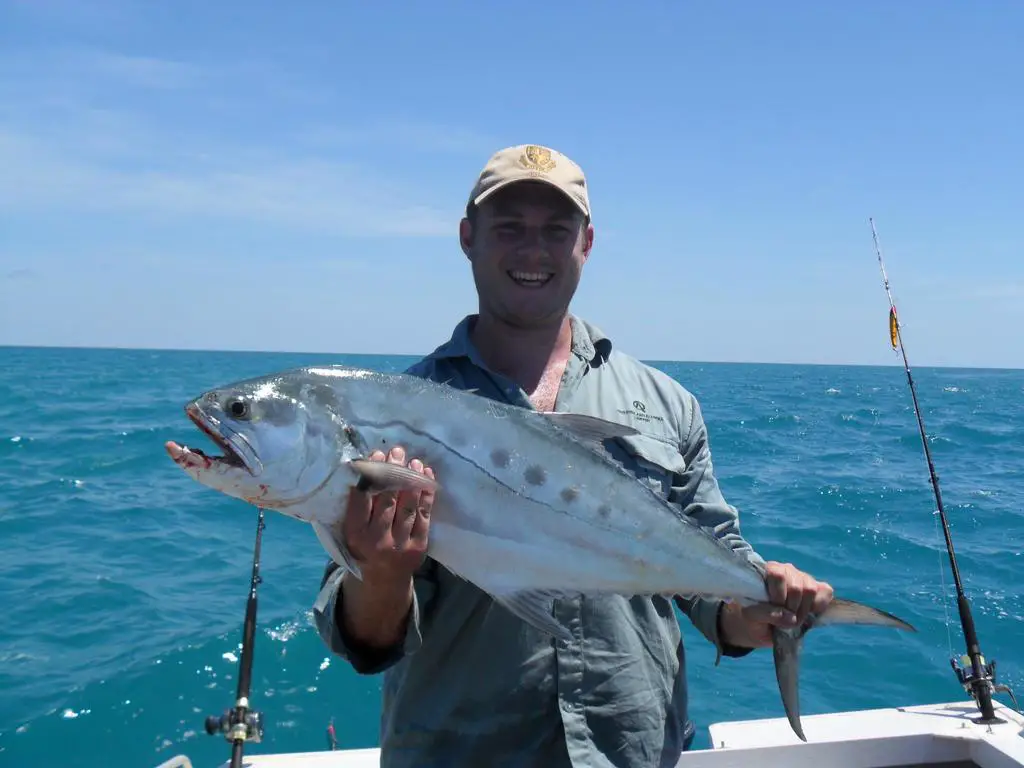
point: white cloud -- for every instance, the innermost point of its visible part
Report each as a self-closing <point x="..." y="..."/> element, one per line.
<point x="62" y="151"/>
<point x="143" y="71"/>
<point x="406" y="133"/>
<point x="997" y="291"/>
<point x="311" y="195"/>
<point x="1006" y="290"/>
<point x="23" y="273"/>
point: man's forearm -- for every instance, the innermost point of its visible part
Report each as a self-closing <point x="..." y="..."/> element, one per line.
<point x="376" y="610"/>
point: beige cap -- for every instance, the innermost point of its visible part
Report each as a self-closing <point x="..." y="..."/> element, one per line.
<point x="530" y="162"/>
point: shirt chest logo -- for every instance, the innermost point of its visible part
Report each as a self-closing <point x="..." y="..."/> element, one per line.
<point x="638" y="412"/>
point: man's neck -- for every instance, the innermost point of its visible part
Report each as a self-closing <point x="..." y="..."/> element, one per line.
<point x="522" y="354"/>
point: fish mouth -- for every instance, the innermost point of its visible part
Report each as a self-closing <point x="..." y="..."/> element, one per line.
<point x="238" y="452"/>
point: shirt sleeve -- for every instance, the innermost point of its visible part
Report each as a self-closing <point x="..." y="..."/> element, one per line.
<point x="329" y="604"/>
<point x="327" y="612"/>
<point x="697" y="492"/>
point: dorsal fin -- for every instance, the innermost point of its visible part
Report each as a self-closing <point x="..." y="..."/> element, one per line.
<point x="590" y="429"/>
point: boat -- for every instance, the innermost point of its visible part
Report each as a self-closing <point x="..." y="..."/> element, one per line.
<point x="976" y="732"/>
<point x="949" y="735"/>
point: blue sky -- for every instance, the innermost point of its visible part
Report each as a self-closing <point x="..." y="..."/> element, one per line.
<point x="239" y="176"/>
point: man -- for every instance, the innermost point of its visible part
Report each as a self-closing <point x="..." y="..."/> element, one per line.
<point x="467" y="683"/>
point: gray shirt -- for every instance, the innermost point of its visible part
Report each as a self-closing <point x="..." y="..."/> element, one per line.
<point x="473" y="685"/>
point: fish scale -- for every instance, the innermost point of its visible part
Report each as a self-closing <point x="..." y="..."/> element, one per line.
<point x="598" y="505"/>
<point x="529" y="506"/>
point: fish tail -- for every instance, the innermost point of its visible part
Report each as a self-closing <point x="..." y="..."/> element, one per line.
<point x="787" y="645"/>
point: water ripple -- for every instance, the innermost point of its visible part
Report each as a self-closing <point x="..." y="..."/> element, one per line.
<point x="124" y="583"/>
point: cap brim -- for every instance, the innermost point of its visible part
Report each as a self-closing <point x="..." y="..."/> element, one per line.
<point x="519" y="180"/>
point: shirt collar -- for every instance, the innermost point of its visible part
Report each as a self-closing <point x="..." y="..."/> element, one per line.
<point x="589" y="343"/>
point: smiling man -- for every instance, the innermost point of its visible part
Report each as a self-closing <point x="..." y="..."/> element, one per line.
<point x="466" y="682"/>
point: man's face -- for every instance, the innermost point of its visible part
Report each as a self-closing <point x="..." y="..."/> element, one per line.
<point x="527" y="250"/>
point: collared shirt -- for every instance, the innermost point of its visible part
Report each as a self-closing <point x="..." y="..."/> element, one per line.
<point x="473" y="685"/>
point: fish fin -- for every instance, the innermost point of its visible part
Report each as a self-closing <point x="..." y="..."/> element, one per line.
<point x="788" y="643"/>
<point x="535" y="609"/>
<point x="842" y="611"/>
<point x="590" y="428"/>
<point x="337" y="550"/>
<point x="381" y="476"/>
<point x="786" y="647"/>
<point x="473" y="391"/>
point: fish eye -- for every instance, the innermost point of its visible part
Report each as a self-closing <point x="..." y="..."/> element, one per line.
<point x="238" y="408"/>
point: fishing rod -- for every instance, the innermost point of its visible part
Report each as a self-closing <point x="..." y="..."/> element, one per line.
<point x="980" y="680"/>
<point x="241" y="723"/>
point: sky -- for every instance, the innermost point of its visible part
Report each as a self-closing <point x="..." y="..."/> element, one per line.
<point x="260" y="177"/>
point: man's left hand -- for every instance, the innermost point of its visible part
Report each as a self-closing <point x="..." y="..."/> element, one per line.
<point x="792" y="595"/>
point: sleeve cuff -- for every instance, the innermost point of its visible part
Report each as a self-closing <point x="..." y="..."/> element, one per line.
<point x="364" y="659"/>
<point x="726" y="649"/>
<point x="706" y="617"/>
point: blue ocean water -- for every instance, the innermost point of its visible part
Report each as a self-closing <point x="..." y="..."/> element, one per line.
<point x="123" y="583"/>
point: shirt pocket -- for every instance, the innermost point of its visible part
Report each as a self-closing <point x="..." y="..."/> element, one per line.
<point x="655" y="461"/>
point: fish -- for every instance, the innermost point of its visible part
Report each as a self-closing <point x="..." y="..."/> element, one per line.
<point x="529" y="505"/>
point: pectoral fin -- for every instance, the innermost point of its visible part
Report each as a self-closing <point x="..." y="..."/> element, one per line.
<point x="535" y="609"/>
<point x="590" y="428"/>
<point x="382" y="476"/>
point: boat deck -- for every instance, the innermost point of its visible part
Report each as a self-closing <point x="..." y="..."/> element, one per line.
<point x="900" y="737"/>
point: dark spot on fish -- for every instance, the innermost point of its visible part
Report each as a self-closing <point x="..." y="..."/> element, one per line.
<point x="323" y="394"/>
<point x="604" y="511"/>
<point x="570" y="494"/>
<point x="536" y="475"/>
<point x="500" y="457"/>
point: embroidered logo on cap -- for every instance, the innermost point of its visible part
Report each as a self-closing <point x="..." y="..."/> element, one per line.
<point x="537" y="159"/>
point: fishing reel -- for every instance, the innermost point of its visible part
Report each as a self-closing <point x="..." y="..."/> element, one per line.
<point x="235" y="727"/>
<point x="964" y="670"/>
<point x="975" y="684"/>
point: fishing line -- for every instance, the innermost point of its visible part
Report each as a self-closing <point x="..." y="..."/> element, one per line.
<point x="938" y="553"/>
<point x="979" y="680"/>
<point x="945" y="592"/>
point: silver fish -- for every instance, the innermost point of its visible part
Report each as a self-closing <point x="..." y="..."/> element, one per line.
<point x="528" y="505"/>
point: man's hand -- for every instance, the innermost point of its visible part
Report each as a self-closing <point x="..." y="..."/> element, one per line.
<point x="387" y="532"/>
<point x="792" y="595"/>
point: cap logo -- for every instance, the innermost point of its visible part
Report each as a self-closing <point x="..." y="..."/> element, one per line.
<point x="537" y="159"/>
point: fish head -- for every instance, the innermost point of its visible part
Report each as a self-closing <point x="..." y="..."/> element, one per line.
<point x="280" y="439"/>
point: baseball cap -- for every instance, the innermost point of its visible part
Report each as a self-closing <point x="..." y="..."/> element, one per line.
<point x="532" y="162"/>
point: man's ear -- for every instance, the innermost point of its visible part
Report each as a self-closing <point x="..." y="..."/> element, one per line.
<point x="466" y="237"/>
<point x="588" y="241"/>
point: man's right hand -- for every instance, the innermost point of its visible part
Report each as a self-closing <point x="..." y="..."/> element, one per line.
<point x="387" y="532"/>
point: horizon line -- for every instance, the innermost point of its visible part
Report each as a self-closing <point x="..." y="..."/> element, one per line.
<point x="648" y="360"/>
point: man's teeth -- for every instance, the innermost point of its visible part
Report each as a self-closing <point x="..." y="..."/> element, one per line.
<point x="530" y="277"/>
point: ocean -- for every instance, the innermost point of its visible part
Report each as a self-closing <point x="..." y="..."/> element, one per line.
<point x="123" y="582"/>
